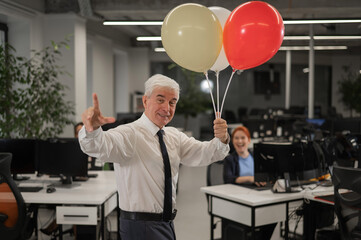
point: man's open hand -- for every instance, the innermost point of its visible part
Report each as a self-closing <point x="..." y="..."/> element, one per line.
<point x="93" y="118"/>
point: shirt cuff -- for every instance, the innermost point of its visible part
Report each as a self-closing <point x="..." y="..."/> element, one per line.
<point x="83" y="133"/>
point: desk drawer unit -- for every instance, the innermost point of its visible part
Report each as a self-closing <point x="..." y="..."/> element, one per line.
<point x="243" y="214"/>
<point x="78" y="215"/>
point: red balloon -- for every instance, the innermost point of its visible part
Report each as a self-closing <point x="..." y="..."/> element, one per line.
<point x="252" y="34"/>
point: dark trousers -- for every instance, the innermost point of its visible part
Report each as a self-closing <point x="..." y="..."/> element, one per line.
<point x="146" y="230"/>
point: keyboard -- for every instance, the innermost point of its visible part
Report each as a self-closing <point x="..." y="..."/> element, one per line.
<point x="268" y="186"/>
<point x="30" y="189"/>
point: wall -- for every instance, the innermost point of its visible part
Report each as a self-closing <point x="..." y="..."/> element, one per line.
<point x="139" y="68"/>
<point x="57" y="27"/>
<point x="122" y="94"/>
<point x="103" y="74"/>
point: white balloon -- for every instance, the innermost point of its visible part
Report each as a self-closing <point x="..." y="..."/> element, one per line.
<point x="222" y="15"/>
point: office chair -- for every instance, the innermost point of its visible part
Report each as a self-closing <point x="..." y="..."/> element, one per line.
<point x="13" y="212"/>
<point x="214" y="177"/>
<point x="215" y="173"/>
<point x="348" y="206"/>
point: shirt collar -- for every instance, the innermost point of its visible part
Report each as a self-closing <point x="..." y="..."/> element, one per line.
<point x="149" y="124"/>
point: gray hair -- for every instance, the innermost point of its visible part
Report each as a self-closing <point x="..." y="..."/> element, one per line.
<point x="159" y="80"/>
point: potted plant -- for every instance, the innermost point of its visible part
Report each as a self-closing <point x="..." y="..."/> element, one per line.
<point x="192" y="100"/>
<point x="350" y="89"/>
<point x="32" y="101"/>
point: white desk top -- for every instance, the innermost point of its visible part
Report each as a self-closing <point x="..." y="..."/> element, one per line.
<point x="94" y="191"/>
<point x="250" y="197"/>
<point x="255" y="198"/>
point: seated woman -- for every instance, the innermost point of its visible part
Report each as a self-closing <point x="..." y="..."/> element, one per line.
<point x="239" y="165"/>
<point x="239" y="169"/>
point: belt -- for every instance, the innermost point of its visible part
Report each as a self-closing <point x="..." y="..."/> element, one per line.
<point x="145" y="216"/>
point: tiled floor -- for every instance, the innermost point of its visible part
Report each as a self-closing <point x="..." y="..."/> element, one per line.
<point x="192" y="221"/>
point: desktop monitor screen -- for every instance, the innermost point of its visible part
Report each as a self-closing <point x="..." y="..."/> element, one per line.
<point x="24" y="154"/>
<point x="296" y="161"/>
<point x="61" y="156"/>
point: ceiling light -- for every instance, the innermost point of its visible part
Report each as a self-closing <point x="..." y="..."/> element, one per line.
<point x="205" y="86"/>
<point x="306" y="70"/>
<point x="286" y="38"/>
<point x="294" y="48"/>
<point x="321" y="21"/>
<point x="151" y="38"/>
<point x="286" y="22"/>
<point x="159" y="49"/>
<point x="133" y="23"/>
<point x="306" y="48"/>
<point x="322" y="37"/>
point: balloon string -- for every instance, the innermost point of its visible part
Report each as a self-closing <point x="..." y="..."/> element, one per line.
<point x="225" y="93"/>
<point x="210" y="91"/>
<point x="217" y="75"/>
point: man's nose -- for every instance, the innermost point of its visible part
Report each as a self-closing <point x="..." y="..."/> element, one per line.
<point x="165" y="106"/>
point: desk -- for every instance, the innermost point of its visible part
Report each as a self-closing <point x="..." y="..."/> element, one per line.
<point x="87" y="204"/>
<point x="249" y="207"/>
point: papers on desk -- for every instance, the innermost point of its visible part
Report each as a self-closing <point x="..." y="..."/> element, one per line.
<point x="30" y="184"/>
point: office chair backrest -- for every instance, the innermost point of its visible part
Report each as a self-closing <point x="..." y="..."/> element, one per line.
<point x="12" y="205"/>
<point x="348" y="207"/>
<point x="215" y="173"/>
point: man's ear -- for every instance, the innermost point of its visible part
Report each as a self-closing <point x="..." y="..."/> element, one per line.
<point x="144" y="99"/>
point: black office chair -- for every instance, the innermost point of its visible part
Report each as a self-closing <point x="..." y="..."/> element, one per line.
<point x="215" y="173"/>
<point x="14" y="218"/>
<point x="348" y="206"/>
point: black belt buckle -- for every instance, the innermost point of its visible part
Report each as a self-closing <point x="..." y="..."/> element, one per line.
<point x="172" y="217"/>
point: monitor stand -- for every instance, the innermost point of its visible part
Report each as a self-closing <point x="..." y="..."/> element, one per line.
<point x="283" y="185"/>
<point x="287" y="178"/>
<point x="17" y="177"/>
<point x="65" y="182"/>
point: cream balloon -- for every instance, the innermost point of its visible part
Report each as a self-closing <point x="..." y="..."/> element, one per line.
<point x="222" y="15"/>
<point x="192" y="36"/>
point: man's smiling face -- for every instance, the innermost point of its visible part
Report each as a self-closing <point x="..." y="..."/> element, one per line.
<point x="160" y="106"/>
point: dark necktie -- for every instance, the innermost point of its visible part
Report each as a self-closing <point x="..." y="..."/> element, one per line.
<point x="167" y="207"/>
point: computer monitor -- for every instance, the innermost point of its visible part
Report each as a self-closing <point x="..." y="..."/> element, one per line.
<point x="24" y="155"/>
<point x="294" y="162"/>
<point x="63" y="157"/>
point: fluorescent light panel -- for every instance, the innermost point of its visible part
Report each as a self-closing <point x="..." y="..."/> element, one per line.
<point x="286" y="38"/>
<point x="133" y="23"/>
<point x="322" y="37"/>
<point x="159" y="49"/>
<point x="150" y="38"/>
<point x="286" y="22"/>
<point x="306" y="48"/>
<point x="294" y="48"/>
<point x="321" y="21"/>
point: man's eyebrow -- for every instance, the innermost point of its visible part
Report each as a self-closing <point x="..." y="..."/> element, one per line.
<point x="162" y="96"/>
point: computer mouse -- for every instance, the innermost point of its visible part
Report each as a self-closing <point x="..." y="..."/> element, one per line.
<point x="50" y="189"/>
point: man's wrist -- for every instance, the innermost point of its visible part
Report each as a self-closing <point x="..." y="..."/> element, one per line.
<point x="226" y="139"/>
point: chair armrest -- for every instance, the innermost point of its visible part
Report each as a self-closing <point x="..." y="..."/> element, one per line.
<point x="3" y="217"/>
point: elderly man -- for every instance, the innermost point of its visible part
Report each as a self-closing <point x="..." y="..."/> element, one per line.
<point x="146" y="156"/>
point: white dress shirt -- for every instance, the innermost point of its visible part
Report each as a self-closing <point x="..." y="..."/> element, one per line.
<point x="135" y="151"/>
